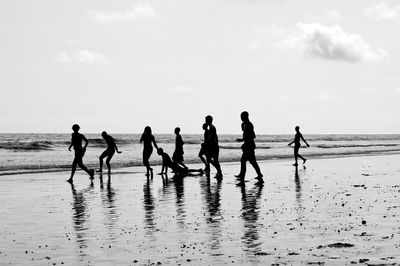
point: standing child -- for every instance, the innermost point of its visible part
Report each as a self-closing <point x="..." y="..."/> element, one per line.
<point x="297" y="145"/>
<point x="148" y="142"/>
<point x="177" y="157"/>
<point x="203" y="150"/>
<point x="76" y="142"/>
<point x="212" y="150"/>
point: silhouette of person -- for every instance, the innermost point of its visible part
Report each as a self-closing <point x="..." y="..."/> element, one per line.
<point x="175" y="167"/>
<point x="248" y="149"/>
<point x="203" y="150"/>
<point x="76" y="142"/>
<point x="177" y="157"/>
<point x="109" y="152"/>
<point x="297" y="145"/>
<point x="148" y="142"/>
<point x="212" y="147"/>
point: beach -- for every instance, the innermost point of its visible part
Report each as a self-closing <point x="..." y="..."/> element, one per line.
<point x="336" y="211"/>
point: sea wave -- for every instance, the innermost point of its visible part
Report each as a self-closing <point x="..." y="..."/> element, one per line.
<point x="335" y="146"/>
<point x="26" y="146"/>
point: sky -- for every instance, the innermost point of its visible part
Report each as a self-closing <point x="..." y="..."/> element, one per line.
<point x="327" y="66"/>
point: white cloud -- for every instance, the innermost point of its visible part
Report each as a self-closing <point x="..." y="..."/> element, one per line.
<point x="324" y="96"/>
<point x="330" y="43"/>
<point x="82" y="57"/>
<point x="139" y="11"/>
<point x="382" y="11"/>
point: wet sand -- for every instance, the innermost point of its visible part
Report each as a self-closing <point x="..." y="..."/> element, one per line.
<point x="340" y="211"/>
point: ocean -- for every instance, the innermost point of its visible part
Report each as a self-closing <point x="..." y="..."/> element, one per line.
<point x="21" y="153"/>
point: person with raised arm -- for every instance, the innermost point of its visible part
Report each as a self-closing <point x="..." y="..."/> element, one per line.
<point x="109" y="152"/>
<point x="297" y="145"/>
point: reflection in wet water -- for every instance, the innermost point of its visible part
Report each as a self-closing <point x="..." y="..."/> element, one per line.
<point x="110" y="207"/>
<point x="299" y="201"/>
<point x="149" y="207"/>
<point x="212" y="207"/>
<point x="250" y="214"/>
<point x="80" y="214"/>
<point x="45" y="221"/>
<point x="180" y="201"/>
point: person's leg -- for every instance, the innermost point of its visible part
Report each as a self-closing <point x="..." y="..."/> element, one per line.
<point x="84" y="168"/>
<point x="253" y="162"/>
<point x="217" y="164"/>
<point x="110" y="155"/>
<point x="203" y="158"/>
<point x="102" y="156"/>
<point x="146" y="157"/>
<point x="296" y="154"/>
<point x="243" y="161"/>
<point x="301" y="157"/>
<point x="74" y="163"/>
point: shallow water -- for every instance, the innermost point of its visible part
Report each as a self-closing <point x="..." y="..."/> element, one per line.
<point x="310" y="216"/>
<point x="49" y="152"/>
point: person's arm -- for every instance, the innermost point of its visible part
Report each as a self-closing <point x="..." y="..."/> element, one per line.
<point x="115" y="146"/>
<point x="291" y="143"/>
<point x="141" y="139"/>
<point x="154" y="142"/>
<point x="162" y="167"/>
<point x="70" y="146"/>
<point x="239" y="140"/>
<point x="305" y="141"/>
<point x="86" y="141"/>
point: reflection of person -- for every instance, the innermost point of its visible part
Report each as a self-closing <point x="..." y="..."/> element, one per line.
<point x="148" y="142"/>
<point x="175" y="167"/>
<point x="76" y="142"/>
<point x="177" y="157"/>
<point x="109" y="152"/>
<point x="297" y="145"/>
<point x="203" y="150"/>
<point x="212" y="147"/>
<point x="248" y="149"/>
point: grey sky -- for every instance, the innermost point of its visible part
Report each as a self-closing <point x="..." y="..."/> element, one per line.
<point x="329" y="66"/>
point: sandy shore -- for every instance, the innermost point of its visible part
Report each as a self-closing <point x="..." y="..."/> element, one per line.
<point x="336" y="212"/>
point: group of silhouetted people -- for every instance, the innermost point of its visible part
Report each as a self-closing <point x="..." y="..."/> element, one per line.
<point x="76" y="142"/>
<point x="209" y="151"/>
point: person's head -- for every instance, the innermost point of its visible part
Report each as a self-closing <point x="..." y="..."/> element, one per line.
<point x="209" y="120"/>
<point x="204" y="126"/>
<point x="160" y="151"/>
<point x="177" y="130"/>
<point x="244" y="116"/>
<point x="147" y="130"/>
<point x="104" y="134"/>
<point x="76" y="128"/>
<point x="297" y="128"/>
